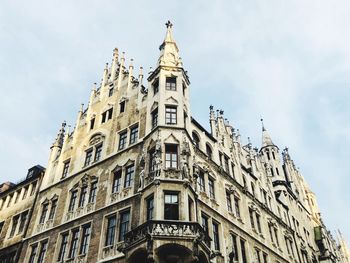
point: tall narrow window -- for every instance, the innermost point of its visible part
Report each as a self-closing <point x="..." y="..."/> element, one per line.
<point x="43" y="248"/>
<point x="104" y="117"/>
<point x="209" y="151"/>
<point x="171" y="206"/>
<point x="152" y="162"/>
<point x="83" y="193"/>
<point x="129" y="176"/>
<point x="201" y="181"/>
<point x="110" y="92"/>
<point x="258" y="222"/>
<point x="233" y="170"/>
<point x="170" y="83"/>
<point x="227" y="169"/>
<point x="170" y="115"/>
<point x="110" y="113"/>
<point x="234" y="246"/>
<point x="276" y="236"/>
<point x="155" y="86"/>
<point x="88" y="157"/>
<point x="73" y="199"/>
<point x="122" y="140"/>
<point x="63" y="247"/>
<point x="216" y="236"/>
<point x="190" y="209"/>
<point x="116" y="181"/>
<point x="45" y="207"/>
<point x="171" y="156"/>
<point x="33" y="189"/>
<point x="92" y="194"/>
<point x="257" y="255"/>
<point x="196" y="139"/>
<point x="154" y="118"/>
<point x="110" y="233"/>
<point x="244" y="257"/>
<point x="150" y="207"/>
<point x="23" y="221"/>
<point x="265" y="258"/>
<point x="124" y="224"/>
<point x="92" y="123"/>
<point x="85" y="239"/>
<point x="251" y="216"/>
<point x="205" y="223"/>
<point x="25" y="191"/>
<point x="122" y="106"/>
<point x="237" y="208"/>
<point x="134" y="134"/>
<point x="34" y="249"/>
<point x="74" y="244"/>
<point x="253" y="188"/>
<point x="98" y="152"/>
<point x="211" y="188"/>
<point x="229" y="202"/>
<point x="65" y="169"/>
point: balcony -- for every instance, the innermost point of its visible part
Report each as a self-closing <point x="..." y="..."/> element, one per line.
<point x="166" y="229"/>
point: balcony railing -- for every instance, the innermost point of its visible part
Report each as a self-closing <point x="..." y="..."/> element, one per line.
<point x="166" y="228"/>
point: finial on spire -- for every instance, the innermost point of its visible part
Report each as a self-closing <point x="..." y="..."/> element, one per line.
<point x="262" y="123"/>
<point x="168" y="24"/>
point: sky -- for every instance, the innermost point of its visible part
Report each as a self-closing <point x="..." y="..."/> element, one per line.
<point x="285" y="61"/>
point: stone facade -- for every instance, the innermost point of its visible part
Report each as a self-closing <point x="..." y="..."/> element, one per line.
<point x="140" y="180"/>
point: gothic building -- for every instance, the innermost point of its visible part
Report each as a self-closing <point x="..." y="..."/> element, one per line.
<point x="140" y="180"/>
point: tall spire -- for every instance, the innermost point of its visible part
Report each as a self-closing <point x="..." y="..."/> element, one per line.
<point x="169" y="52"/>
<point x="60" y="136"/>
<point x="266" y="139"/>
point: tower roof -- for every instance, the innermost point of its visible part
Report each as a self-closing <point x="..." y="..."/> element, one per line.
<point x="169" y="52"/>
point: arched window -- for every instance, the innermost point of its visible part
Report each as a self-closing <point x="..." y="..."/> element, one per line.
<point x="196" y="139"/>
<point x="209" y="151"/>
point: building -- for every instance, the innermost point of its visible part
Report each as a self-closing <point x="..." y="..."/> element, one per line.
<point x="140" y="180"/>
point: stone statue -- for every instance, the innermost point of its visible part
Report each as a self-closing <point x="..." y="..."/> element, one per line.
<point x="184" y="167"/>
<point x="158" y="164"/>
<point x="142" y="180"/>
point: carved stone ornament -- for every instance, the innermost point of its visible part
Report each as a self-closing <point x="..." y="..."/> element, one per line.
<point x="96" y="139"/>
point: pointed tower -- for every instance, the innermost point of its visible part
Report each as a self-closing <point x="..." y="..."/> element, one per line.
<point x="168" y="104"/>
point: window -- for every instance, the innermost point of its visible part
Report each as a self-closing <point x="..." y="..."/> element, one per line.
<point x="201" y="181"/>
<point x="25" y="191"/>
<point x="155" y="86"/>
<point x="88" y="157"/>
<point x="98" y="152"/>
<point x="33" y="188"/>
<point x="83" y="193"/>
<point x="216" y="236"/>
<point x="170" y="83"/>
<point x="110" y="113"/>
<point x="110" y="233"/>
<point x="74" y="243"/>
<point x="92" y="123"/>
<point x="9" y="200"/>
<point x="251" y="216"/>
<point x="270" y="231"/>
<point x="170" y="115"/>
<point x="233" y="170"/>
<point x="134" y="134"/>
<point x="124" y="224"/>
<point x="276" y="236"/>
<point x="154" y="118"/>
<point x="236" y="201"/>
<point x="228" y="200"/>
<point x="268" y="155"/>
<point x="73" y="199"/>
<point x="152" y="162"/>
<point x="1" y="226"/>
<point x="205" y="223"/>
<point x="16" y="198"/>
<point x="234" y="246"/>
<point x="45" y="207"/>
<point x="265" y="258"/>
<point x="122" y="140"/>
<point x="171" y="156"/>
<point x="211" y="188"/>
<point x="104" y="116"/>
<point x="196" y="139"/>
<point x="110" y="92"/>
<point x="85" y="239"/>
<point x="23" y="221"/>
<point x="273" y="155"/>
<point x="258" y="222"/>
<point x="209" y="151"/>
<point x="244" y="257"/>
<point x="116" y="181"/>
<point x="43" y="248"/>
<point x="257" y="255"/>
<point x="33" y="253"/>
<point x="183" y="88"/>
<point x="227" y="169"/>
<point x="190" y="209"/>
<point x="129" y="176"/>
<point x="63" y="247"/>
<point x="171" y="206"/>
<point x="253" y="188"/>
<point x="122" y="106"/>
<point x="65" y="169"/>
<point x="92" y="195"/>
<point x="150" y="207"/>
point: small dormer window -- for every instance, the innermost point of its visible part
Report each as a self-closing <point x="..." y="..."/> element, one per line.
<point x="92" y="123"/>
<point x="110" y="92"/>
<point x="170" y="83"/>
